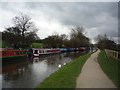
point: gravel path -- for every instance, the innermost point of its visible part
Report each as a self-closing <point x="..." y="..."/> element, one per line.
<point x="92" y="76"/>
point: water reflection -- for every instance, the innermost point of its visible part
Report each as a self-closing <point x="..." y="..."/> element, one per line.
<point x="29" y="73"/>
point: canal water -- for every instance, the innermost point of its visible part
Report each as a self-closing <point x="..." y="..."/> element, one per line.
<point x="29" y="73"/>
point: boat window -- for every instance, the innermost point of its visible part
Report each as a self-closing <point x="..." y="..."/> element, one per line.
<point x="3" y="53"/>
<point x="17" y="53"/>
<point x="39" y="51"/>
<point x="35" y="51"/>
<point x="20" y="53"/>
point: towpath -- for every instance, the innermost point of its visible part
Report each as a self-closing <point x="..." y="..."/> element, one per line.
<point x="92" y="76"/>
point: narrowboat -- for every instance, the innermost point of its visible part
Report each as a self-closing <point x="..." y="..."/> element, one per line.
<point x="82" y="49"/>
<point x="37" y="52"/>
<point x="7" y="54"/>
<point x="63" y="49"/>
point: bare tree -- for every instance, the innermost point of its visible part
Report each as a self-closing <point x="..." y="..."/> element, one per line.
<point x="25" y="24"/>
<point x="23" y="33"/>
<point x="78" y="38"/>
<point x="104" y="42"/>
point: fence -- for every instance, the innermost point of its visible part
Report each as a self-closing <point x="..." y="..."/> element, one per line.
<point x="113" y="54"/>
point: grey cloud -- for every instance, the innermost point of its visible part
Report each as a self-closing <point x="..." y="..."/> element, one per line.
<point x="76" y="13"/>
<point x="87" y="14"/>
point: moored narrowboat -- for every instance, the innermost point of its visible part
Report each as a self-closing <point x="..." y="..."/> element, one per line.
<point x="37" y="52"/>
<point x="7" y="54"/>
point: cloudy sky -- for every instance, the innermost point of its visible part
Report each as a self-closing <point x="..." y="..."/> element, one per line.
<point x="51" y="17"/>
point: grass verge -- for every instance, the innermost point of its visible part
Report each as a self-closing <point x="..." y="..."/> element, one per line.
<point x="66" y="76"/>
<point x="109" y="66"/>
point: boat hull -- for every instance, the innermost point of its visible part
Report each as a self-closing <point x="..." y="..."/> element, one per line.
<point x="13" y="58"/>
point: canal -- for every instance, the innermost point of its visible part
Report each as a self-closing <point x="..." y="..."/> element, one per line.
<point x="29" y="73"/>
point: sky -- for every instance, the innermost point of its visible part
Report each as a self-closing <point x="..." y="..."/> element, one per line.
<point x="60" y="17"/>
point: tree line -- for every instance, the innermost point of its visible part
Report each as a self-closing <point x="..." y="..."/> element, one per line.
<point x="105" y="42"/>
<point x="24" y="32"/>
<point x="77" y="39"/>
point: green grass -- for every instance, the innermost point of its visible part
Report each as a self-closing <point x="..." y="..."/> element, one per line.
<point x="109" y="66"/>
<point x="66" y="76"/>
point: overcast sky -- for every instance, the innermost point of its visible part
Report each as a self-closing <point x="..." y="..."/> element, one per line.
<point x="95" y="17"/>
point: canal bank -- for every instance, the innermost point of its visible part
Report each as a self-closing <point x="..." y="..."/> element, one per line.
<point x="66" y="76"/>
<point x="29" y="73"/>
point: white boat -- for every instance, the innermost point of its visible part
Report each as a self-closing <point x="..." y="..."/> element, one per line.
<point x="38" y="52"/>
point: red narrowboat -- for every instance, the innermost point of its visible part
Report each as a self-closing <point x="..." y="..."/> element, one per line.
<point x="6" y="54"/>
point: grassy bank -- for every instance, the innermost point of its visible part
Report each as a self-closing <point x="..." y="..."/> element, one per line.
<point x="109" y="66"/>
<point x="66" y="76"/>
